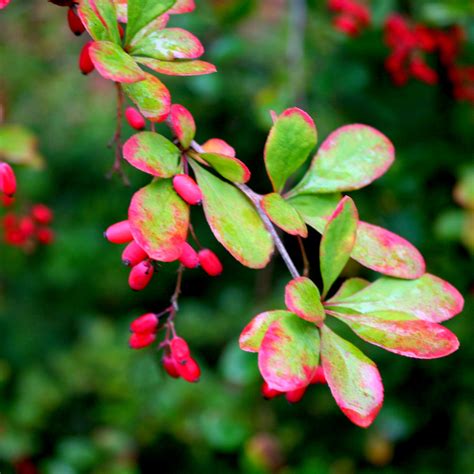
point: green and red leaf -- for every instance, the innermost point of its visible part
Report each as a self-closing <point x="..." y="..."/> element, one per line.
<point x="152" y="154"/>
<point x="353" y="378"/>
<point x="233" y="220"/>
<point x="289" y="354"/>
<point x="216" y="145"/>
<point x="402" y="334"/>
<point x="159" y="220"/>
<point x="19" y="146"/>
<point x="91" y="20"/>
<point x="284" y="215"/>
<point x="350" y="287"/>
<point x="229" y="167"/>
<point x="106" y="11"/>
<point x="151" y="97"/>
<point x="288" y="146"/>
<point x="178" y="68"/>
<point x="182" y="124"/>
<point x="338" y="241"/>
<point x="302" y="298"/>
<point x="428" y="298"/>
<point x="252" y="336"/>
<point x="183" y="6"/>
<point x="113" y="63"/>
<point x="350" y="158"/>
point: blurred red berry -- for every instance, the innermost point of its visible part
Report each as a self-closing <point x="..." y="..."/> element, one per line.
<point x="119" y="233"/>
<point x="141" y="340"/>
<point x="190" y="370"/>
<point x="179" y="350"/>
<point x="187" y="189"/>
<point x="294" y="396"/>
<point x="45" y="235"/>
<point x="75" y="23"/>
<point x="42" y="214"/>
<point x="135" y="119"/>
<point x="269" y="393"/>
<point x="145" y="323"/>
<point x="210" y="262"/>
<point x="189" y="257"/>
<point x="133" y="254"/>
<point x="85" y="63"/>
<point x="169" y="365"/>
<point x="319" y="376"/>
<point x="140" y="275"/>
<point x="7" y="179"/>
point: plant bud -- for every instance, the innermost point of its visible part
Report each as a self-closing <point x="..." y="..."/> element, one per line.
<point x="119" y="233"/>
<point x="140" y="275"/>
<point x="179" y="350"/>
<point x="42" y="214"/>
<point x="210" y="262"/>
<point x="85" y="63"/>
<point x="134" y="118"/>
<point x="269" y="393"/>
<point x="189" y="371"/>
<point x="189" y="257"/>
<point x="170" y="366"/>
<point x="319" y="376"/>
<point x="141" y="340"/>
<point x="133" y="254"/>
<point x="294" y="396"/>
<point x="7" y="179"/>
<point x="74" y="22"/>
<point x="45" y="236"/>
<point x="187" y="189"/>
<point x="145" y="323"/>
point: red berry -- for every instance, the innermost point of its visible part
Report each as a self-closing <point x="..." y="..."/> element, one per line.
<point x="319" y="376"/>
<point x="179" y="350"/>
<point x="187" y="188"/>
<point x="6" y="200"/>
<point x="145" y="323"/>
<point x="7" y="179"/>
<point x="141" y="340"/>
<point x="169" y="365"/>
<point x="294" y="396"/>
<point x="119" y="233"/>
<point x="75" y="23"/>
<point x="346" y="24"/>
<point x="189" y="371"/>
<point x="140" y="275"/>
<point x="26" y="226"/>
<point x="42" y="214"/>
<point x="45" y="236"/>
<point x="269" y="393"/>
<point x="210" y="262"/>
<point x="421" y="71"/>
<point x="189" y="257"/>
<point x="85" y="63"/>
<point x="10" y="220"/>
<point x="133" y="254"/>
<point x="135" y="118"/>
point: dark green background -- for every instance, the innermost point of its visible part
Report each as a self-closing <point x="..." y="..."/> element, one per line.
<point x="75" y="399"/>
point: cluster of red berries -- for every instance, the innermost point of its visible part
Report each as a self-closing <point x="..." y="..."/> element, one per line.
<point x="351" y="16"/>
<point x="293" y="396"/>
<point x="29" y="230"/>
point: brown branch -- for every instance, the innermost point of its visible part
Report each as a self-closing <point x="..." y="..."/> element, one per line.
<point x="304" y="256"/>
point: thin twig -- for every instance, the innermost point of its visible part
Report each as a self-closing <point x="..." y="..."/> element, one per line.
<point x="304" y="256"/>
<point x="194" y="236"/>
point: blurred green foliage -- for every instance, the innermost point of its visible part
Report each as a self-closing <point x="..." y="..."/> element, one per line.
<point x="74" y="399"/>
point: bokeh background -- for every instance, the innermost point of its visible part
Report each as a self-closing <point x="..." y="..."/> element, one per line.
<point x="75" y="399"/>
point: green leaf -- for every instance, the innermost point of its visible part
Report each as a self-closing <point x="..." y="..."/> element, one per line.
<point x="234" y="220"/>
<point x="93" y="24"/>
<point x="284" y="215"/>
<point x="289" y="354"/>
<point x="302" y="298"/>
<point x="182" y="125"/>
<point x="229" y="167"/>
<point x="19" y="146"/>
<point x="107" y="13"/>
<point x="153" y="154"/>
<point x="252" y="336"/>
<point x="168" y="44"/>
<point x="143" y="12"/>
<point x="159" y="220"/>
<point x="151" y="97"/>
<point x="350" y="287"/>
<point x="158" y="23"/>
<point x="402" y="334"/>
<point x="429" y="298"/>
<point x="353" y="378"/>
<point x="350" y="158"/>
<point x="178" y="68"/>
<point x="375" y="248"/>
<point x="289" y="143"/>
<point x="113" y="63"/>
<point x="338" y="241"/>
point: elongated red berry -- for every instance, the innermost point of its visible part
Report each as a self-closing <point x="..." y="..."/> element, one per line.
<point x="7" y="179"/>
<point x="141" y="340"/>
<point x="119" y="233"/>
<point x="45" y="235"/>
<point x="145" y="323"/>
<point x="135" y="119"/>
<point x="189" y="371"/>
<point x="140" y="275"/>
<point x="319" y="376"/>
<point x="169" y="365"/>
<point x="210" y="262"/>
<point x="189" y="257"/>
<point x="85" y="63"/>
<point x="294" y="396"/>
<point x="179" y="350"/>
<point x="74" y="22"/>
<point x="42" y="214"/>
<point x="269" y="393"/>
<point x="187" y="188"/>
<point x="133" y="254"/>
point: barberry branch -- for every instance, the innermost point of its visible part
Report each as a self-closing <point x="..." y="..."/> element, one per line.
<point x="304" y="256"/>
